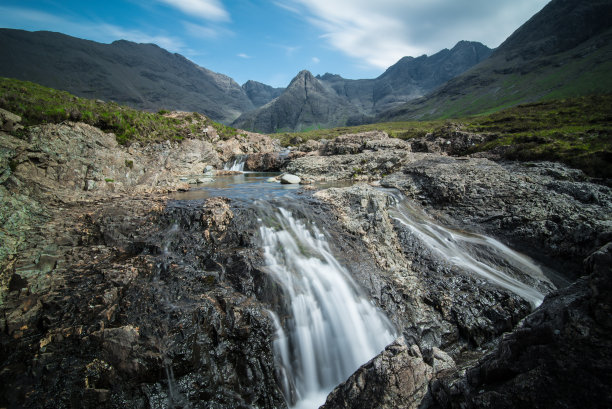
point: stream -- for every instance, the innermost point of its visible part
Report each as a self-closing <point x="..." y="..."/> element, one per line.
<point x="325" y="327"/>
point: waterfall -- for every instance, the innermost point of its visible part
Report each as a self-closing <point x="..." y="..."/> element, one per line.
<point x="236" y="164"/>
<point x="475" y="253"/>
<point x="327" y="328"/>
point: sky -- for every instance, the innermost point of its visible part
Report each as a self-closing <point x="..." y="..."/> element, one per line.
<point x="271" y="41"/>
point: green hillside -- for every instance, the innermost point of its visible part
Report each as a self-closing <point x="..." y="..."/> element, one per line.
<point x="37" y="104"/>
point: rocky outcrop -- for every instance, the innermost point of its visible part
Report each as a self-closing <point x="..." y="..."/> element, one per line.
<point x="559" y="355"/>
<point x="138" y="302"/>
<point x="397" y="378"/>
<point x="542" y="206"/>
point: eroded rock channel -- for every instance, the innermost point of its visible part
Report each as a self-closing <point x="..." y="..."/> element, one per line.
<point x="389" y="278"/>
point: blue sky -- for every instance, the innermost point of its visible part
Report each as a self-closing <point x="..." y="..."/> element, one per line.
<point x="271" y="41"/>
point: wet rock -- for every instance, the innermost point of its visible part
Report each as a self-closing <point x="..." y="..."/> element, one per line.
<point x="289" y="179"/>
<point x="396" y="378"/>
<point x="558" y="355"/>
<point x="548" y="211"/>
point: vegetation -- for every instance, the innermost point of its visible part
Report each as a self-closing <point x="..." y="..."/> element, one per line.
<point x="37" y="104"/>
<point x="575" y="131"/>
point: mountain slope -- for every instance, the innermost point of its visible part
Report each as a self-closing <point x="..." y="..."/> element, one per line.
<point x="260" y="94"/>
<point x="562" y="51"/>
<point x="143" y="76"/>
<point x="307" y="102"/>
<point x="341" y="101"/>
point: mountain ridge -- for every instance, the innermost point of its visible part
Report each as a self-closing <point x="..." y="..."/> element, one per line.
<point x="407" y="79"/>
<point x="562" y="51"/>
<point x="144" y="76"/>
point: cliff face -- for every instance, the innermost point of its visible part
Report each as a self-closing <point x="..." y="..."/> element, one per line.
<point x="143" y="76"/>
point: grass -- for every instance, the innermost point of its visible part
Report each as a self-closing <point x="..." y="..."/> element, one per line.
<point x="575" y="131"/>
<point x="37" y="105"/>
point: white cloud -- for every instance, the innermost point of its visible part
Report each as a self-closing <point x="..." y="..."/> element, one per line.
<point x="243" y="55"/>
<point x="381" y="32"/>
<point x="206" y="9"/>
<point x="316" y="60"/>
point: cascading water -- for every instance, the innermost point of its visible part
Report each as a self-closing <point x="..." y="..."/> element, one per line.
<point x="237" y="164"/>
<point x="328" y="328"/>
<point x="475" y="253"/>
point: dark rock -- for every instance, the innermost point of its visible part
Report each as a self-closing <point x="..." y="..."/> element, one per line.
<point x="559" y="355"/>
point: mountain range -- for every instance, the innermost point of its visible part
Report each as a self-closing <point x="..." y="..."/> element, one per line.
<point x="148" y="77"/>
<point x="562" y="51"/>
<point x="330" y="100"/>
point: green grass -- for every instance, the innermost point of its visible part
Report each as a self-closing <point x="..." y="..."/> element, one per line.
<point x="575" y="131"/>
<point x="37" y="105"/>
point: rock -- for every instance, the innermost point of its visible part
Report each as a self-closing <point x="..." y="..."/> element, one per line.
<point x="264" y="162"/>
<point x="397" y="378"/>
<point x="363" y="166"/>
<point x="9" y="122"/>
<point x="532" y="206"/>
<point x="351" y="143"/>
<point x="559" y="353"/>
<point x="289" y="179"/>
<point x="310" y="146"/>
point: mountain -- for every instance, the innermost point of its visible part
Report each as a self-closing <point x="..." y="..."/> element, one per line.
<point x="143" y="76"/>
<point x="562" y="51"/>
<point x="260" y="94"/>
<point x="307" y="102"/>
<point x="359" y="100"/>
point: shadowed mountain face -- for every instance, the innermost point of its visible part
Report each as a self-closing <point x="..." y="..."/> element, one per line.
<point x="341" y="101"/>
<point x="143" y="76"/>
<point x="260" y="94"/>
<point x="562" y="51"/>
<point x="305" y="103"/>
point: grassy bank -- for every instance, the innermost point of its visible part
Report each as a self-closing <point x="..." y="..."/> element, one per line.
<point x="37" y="104"/>
<point x="575" y="131"/>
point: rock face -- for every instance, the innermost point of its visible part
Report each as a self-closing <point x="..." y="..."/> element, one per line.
<point x="260" y="94"/>
<point x="139" y="75"/>
<point x="533" y="206"/>
<point x="306" y="102"/>
<point x="559" y="355"/>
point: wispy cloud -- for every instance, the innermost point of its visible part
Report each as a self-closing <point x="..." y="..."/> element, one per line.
<point x="243" y="55"/>
<point x="199" y="31"/>
<point x="96" y="31"/>
<point x="206" y="9"/>
<point x="380" y="33"/>
<point x="315" y="60"/>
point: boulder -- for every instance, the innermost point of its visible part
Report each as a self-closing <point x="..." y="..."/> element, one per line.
<point x="289" y="179"/>
<point x="9" y="122"/>
<point x="396" y="378"/>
